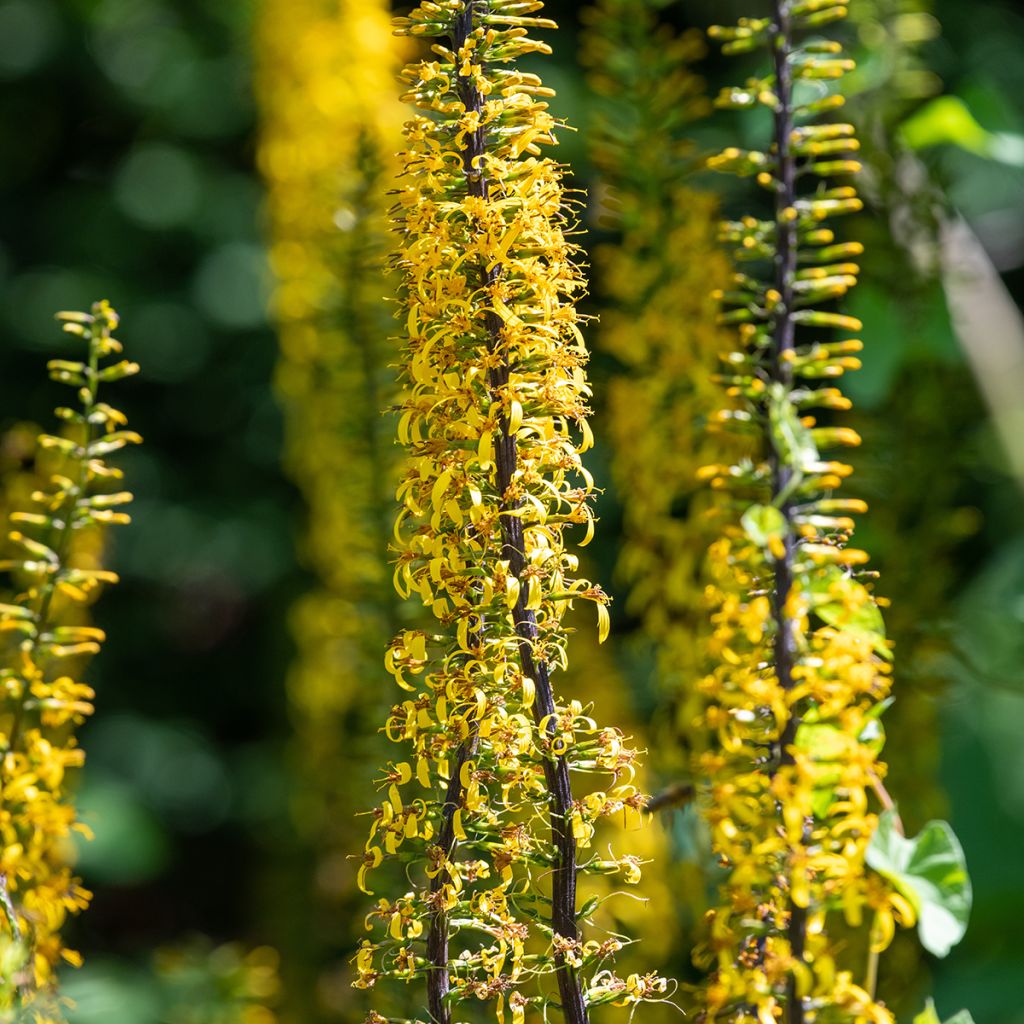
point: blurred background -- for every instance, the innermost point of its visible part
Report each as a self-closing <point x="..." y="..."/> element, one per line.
<point x="129" y="131"/>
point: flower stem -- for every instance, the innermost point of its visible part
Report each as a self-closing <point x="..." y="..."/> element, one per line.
<point x="61" y="546"/>
<point x="782" y="371"/>
<point x="556" y="770"/>
<point x="437" y="939"/>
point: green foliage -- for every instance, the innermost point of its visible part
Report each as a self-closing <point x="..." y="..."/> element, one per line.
<point x="947" y="120"/>
<point x="842" y="601"/>
<point x="930" y="870"/>
<point x="929" y="1016"/>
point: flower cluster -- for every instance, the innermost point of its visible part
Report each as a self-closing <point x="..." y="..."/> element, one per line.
<point x="801" y="661"/>
<point x="55" y="569"/>
<point x="325" y="163"/>
<point x="659" y="323"/>
<point x="493" y="418"/>
<point x="330" y="124"/>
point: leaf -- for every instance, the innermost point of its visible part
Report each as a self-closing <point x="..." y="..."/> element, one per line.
<point x="947" y="120"/>
<point x="929" y="1016"/>
<point x="873" y="736"/>
<point x="792" y="440"/>
<point x="843" y="603"/>
<point x="828" y="747"/>
<point x="931" y="871"/>
<point x="763" y="524"/>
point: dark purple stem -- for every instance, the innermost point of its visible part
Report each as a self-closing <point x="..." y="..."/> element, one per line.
<point x="782" y="370"/>
<point x="556" y="769"/>
<point x="437" y="938"/>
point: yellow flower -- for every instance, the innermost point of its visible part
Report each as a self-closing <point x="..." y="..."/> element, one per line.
<point x="55" y="569"/>
<point x="329" y="128"/>
<point x="493" y="419"/>
<point x="800" y="669"/>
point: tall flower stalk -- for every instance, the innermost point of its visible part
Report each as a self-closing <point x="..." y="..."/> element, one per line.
<point x="330" y="125"/>
<point x="493" y="418"/>
<point x="55" y="567"/>
<point x="658" y="322"/>
<point x="662" y="329"/>
<point x="802" y="665"/>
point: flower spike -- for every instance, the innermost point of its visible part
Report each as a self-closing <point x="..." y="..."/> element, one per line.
<point x="493" y="419"/>
<point x="55" y="569"/>
<point x="803" y="669"/>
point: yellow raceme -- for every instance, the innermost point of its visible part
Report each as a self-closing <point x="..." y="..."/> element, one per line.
<point x="493" y="418"/>
<point x="54" y="562"/>
<point x="801" y="666"/>
<point x="330" y="125"/>
<point x="659" y="323"/>
<point x="794" y="836"/>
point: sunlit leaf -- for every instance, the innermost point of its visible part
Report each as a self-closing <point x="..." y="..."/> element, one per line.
<point x="931" y="871"/>
<point x="842" y="602"/>
<point x="947" y="120"/>
<point x="929" y="1015"/>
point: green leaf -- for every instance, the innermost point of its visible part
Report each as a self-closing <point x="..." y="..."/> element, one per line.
<point x="792" y="440"/>
<point x="931" y="872"/>
<point x="764" y="523"/>
<point x="873" y="736"/>
<point x="929" y="1016"/>
<point x="828" y="747"/>
<point x="840" y="601"/>
<point x="947" y="120"/>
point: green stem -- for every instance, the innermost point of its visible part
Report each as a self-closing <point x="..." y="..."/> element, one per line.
<point x="871" y="976"/>
<point x="62" y="544"/>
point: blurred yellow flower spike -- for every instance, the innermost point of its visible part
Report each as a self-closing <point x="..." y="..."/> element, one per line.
<point x="330" y="125"/>
<point x="659" y="323"/>
<point x="493" y="420"/>
<point x="53" y="561"/>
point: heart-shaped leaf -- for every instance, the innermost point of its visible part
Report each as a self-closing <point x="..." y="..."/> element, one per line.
<point x="931" y="872"/>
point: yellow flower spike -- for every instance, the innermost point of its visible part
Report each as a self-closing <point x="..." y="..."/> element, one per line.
<point x="791" y="688"/>
<point x="494" y="396"/>
<point x="54" y="563"/>
<point x="660" y="326"/>
<point x="329" y="126"/>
